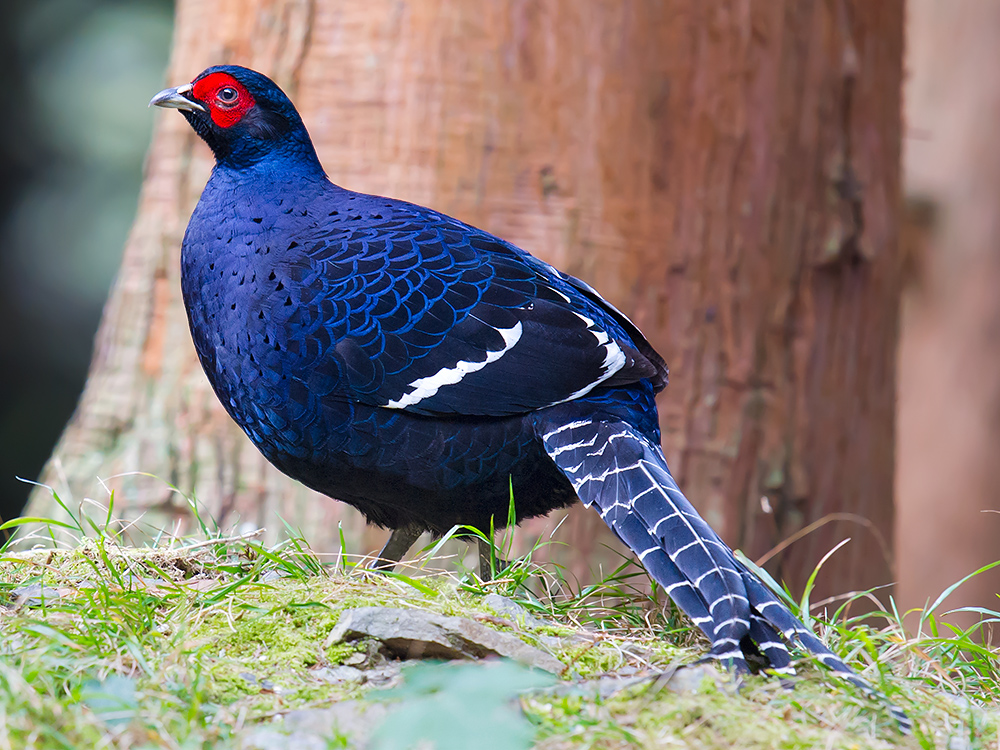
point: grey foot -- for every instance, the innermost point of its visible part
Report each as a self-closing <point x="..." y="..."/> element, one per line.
<point x="398" y="545"/>
<point x="485" y="572"/>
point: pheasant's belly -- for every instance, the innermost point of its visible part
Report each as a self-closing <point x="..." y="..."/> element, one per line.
<point x="397" y="468"/>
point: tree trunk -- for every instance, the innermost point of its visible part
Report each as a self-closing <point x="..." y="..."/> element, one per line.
<point x="727" y="173"/>
<point x="949" y="410"/>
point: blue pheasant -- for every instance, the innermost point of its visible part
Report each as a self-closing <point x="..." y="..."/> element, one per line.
<point x="418" y="368"/>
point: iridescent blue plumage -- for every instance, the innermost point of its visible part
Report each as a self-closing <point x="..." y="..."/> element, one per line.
<point x="418" y="368"/>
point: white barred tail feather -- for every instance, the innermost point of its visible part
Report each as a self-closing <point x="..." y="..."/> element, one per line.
<point x="618" y="472"/>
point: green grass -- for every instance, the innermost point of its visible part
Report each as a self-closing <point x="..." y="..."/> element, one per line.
<point x="192" y="643"/>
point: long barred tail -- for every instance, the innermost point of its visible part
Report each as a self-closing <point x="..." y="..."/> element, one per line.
<point x="621" y="474"/>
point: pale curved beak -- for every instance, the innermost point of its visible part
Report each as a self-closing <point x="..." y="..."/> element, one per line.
<point x="175" y="99"/>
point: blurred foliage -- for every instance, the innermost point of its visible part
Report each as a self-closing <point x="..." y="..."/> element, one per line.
<point x="76" y="75"/>
<point x="451" y="706"/>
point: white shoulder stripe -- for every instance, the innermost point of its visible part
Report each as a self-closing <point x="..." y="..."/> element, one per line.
<point x="614" y="359"/>
<point x="422" y="388"/>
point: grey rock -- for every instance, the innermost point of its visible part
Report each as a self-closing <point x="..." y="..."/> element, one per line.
<point x="352" y="718"/>
<point x="34" y="595"/>
<point x="518" y="615"/>
<point x="313" y="728"/>
<point x="689" y="679"/>
<point x="271" y="739"/>
<point x="356" y="659"/>
<point x="384" y="676"/>
<point x="509" y="608"/>
<point x="554" y="642"/>
<point x="602" y="687"/>
<point x="338" y="675"/>
<point x="416" y="634"/>
<point x="680" y="680"/>
<point x="513" y="611"/>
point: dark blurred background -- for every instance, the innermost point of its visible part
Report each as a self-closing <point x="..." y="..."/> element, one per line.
<point x="76" y="76"/>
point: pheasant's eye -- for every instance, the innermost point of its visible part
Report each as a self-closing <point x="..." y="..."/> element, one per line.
<point x="227" y="95"/>
<point x="226" y="99"/>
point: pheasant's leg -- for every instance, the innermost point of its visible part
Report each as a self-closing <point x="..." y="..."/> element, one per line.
<point x="398" y="545"/>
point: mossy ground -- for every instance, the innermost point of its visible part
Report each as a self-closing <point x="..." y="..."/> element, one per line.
<point x="193" y="644"/>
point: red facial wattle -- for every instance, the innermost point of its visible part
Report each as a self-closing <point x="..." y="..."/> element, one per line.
<point x="214" y="90"/>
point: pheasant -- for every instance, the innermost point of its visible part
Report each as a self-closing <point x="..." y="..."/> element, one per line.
<point x="422" y="370"/>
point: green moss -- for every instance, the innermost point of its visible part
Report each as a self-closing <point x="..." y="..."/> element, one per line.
<point x="710" y="718"/>
<point x="337" y="653"/>
<point x="206" y="641"/>
<point x="271" y="639"/>
<point x="226" y="685"/>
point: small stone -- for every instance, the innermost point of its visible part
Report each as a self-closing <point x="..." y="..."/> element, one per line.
<point x="415" y="634"/>
<point x="385" y="675"/>
<point x="690" y="679"/>
<point x="348" y="717"/>
<point x="602" y="687"/>
<point x="269" y="739"/>
<point x="683" y="679"/>
<point x="509" y="608"/>
<point x="553" y="642"/>
<point x="338" y="674"/>
<point x="313" y="728"/>
<point x="35" y="595"/>
<point x="356" y="659"/>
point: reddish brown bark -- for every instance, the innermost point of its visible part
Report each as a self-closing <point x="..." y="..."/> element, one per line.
<point x="727" y="173"/>
<point x="948" y="475"/>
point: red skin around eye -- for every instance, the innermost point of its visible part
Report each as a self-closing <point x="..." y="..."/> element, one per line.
<point x="224" y="115"/>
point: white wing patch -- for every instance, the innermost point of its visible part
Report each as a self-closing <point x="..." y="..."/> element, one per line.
<point x="614" y="359"/>
<point x="422" y="388"/>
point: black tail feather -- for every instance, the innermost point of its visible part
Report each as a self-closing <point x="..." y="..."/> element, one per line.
<point x="623" y="475"/>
